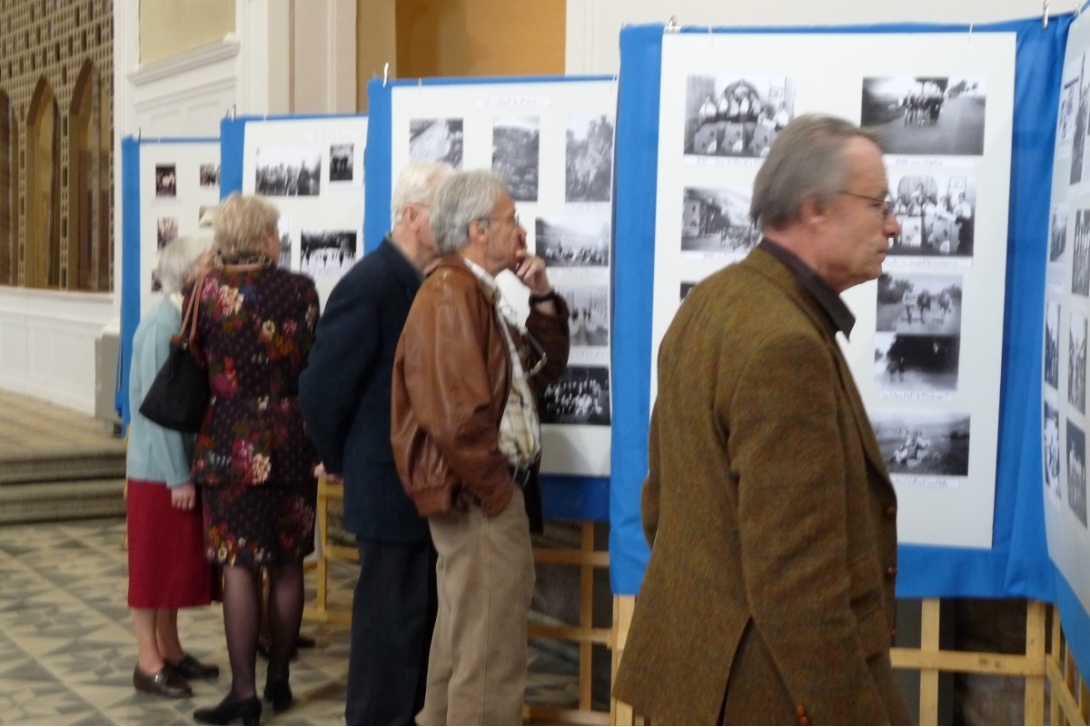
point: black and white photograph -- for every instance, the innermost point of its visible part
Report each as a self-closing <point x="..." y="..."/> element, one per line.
<point x="913" y="363"/>
<point x="573" y="242"/>
<point x="1076" y="362"/>
<point x="580" y="397"/>
<point x="1080" y="255"/>
<point x="717" y="220"/>
<point x="589" y="314"/>
<point x="919" y="303"/>
<point x="923" y="442"/>
<point x="204" y="217"/>
<point x="1069" y="103"/>
<point x="928" y="115"/>
<point x="326" y="252"/>
<point x="166" y="180"/>
<point x="516" y="141"/>
<point x="1082" y="101"/>
<point x="936" y="213"/>
<point x="738" y="116"/>
<point x="210" y="175"/>
<point x="1052" y="345"/>
<point x="911" y="237"/>
<point x="436" y="140"/>
<point x="289" y="171"/>
<point x="1076" y="471"/>
<point x="341" y="162"/>
<point x="1057" y="234"/>
<point x="166" y="229"/>
<point x="588" y="165"/>
<point x="284" y="231"/>
<point x="1050" y="450"/>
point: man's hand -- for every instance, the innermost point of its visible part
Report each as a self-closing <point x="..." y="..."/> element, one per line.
<point x="184" y="497"/>
<point x="530" y="269"/>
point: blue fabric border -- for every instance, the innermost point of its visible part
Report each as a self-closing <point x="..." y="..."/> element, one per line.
<point x="377" y="165"/>
<point x="563" y="497"/>
<point x="1017" y="564"/>
<point x="130" y="269"/>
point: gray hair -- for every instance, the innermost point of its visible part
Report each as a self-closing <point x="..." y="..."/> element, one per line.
<point x="806" y="158"/>
<point x="417" y="184"/>
<point x="178" y="262"/>
<point x="239" y="224"/>
<point x="463" y="198"/>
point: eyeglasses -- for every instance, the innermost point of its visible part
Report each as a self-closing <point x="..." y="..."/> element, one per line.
<point x="882" y="204"/>
<point x="513" y="218"/>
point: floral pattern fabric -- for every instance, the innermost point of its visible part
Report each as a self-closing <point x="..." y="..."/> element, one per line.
<point x="254" y="460"/>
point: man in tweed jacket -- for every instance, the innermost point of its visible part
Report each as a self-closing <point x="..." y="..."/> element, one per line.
<point x="769" y="595"/>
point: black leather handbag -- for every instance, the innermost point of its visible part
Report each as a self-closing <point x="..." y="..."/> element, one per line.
<point x="179" y="395"/>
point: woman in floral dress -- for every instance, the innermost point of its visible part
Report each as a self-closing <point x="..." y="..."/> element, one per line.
<point x="253" y="460"/>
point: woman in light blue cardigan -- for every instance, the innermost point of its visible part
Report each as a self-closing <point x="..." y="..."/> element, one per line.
<point x="167" y="567"/>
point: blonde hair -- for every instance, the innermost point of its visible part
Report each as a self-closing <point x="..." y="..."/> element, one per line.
<point x="240" y="222"/>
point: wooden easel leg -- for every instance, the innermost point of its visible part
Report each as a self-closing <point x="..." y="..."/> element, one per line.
<point x="1035" y="651"/>
<point x="929" y="678"/>
<point x="623" y="606"/>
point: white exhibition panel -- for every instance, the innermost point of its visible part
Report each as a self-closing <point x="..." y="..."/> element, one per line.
<point x="929" y="373"/>
<point x="1067" y="309"/>
<point x="312" y="170"/>
<point x="178" y="181"/>
<point x="553" y="143"/>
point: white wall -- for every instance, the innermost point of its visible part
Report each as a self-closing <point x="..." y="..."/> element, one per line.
<point x="47" y="344"/>
<point x="594" y="26"/>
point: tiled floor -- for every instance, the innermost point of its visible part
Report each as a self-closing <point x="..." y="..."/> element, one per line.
<point x="66" y="645"/>
<point x="67" y="650"/>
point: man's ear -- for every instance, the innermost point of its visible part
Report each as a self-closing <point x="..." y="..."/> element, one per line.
<point x="813" y="210"/>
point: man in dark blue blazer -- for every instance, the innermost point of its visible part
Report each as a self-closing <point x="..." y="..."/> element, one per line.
<point x="345" y="397"/>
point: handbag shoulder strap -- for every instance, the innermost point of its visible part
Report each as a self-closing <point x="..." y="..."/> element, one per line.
<point x="188" y="332"/>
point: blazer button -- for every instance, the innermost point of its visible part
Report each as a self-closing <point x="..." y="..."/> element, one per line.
<point x="800" y="712"/>
<point x="892" y="635"/>
<point x="890" y="512"/>
<point x="891" y="572"/>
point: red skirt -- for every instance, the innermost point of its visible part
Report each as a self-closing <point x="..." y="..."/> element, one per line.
<point x="167" y="567"/>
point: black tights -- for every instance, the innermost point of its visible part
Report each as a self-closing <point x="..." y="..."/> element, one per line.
<point x="242" y="622"/>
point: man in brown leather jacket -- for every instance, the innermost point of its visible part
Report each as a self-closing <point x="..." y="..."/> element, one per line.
<point x="466" y="439"/>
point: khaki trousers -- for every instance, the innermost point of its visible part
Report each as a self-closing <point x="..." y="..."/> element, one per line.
<point x="485" y="578"/>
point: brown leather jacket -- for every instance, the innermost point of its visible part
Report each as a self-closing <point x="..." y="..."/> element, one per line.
<point x="450" y="384"/>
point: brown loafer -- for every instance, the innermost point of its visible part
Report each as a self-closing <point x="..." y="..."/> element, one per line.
<point x="189" y="668"/>
<point x="164" y="683"/>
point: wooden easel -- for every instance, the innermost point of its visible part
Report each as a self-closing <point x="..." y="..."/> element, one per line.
<point x="1070" y="696"/>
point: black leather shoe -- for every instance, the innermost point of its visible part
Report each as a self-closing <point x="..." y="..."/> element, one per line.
<point x="191" y="669"/>
<point x="164" y="683"/>
<point x="279" y="693"/>
<point x="230" y="709"/>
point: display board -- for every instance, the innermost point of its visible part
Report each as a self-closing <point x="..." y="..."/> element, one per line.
<point x="1063" y="376"/>
<point x="311" y="168"/>
<point x="929" y="331"/>
<point x="552" y="141"/>
<point x="981" y="547"/>
<point x="167" y="185"/>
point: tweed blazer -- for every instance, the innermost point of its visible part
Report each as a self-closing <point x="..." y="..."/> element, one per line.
<point x="769" y="594"/>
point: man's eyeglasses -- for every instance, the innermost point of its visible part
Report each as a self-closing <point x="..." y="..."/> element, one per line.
<point x="512" y="218"/>
<point x="882" y="204"/>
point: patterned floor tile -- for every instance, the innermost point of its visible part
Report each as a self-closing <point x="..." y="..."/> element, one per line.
<point x="67" y="651"/>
